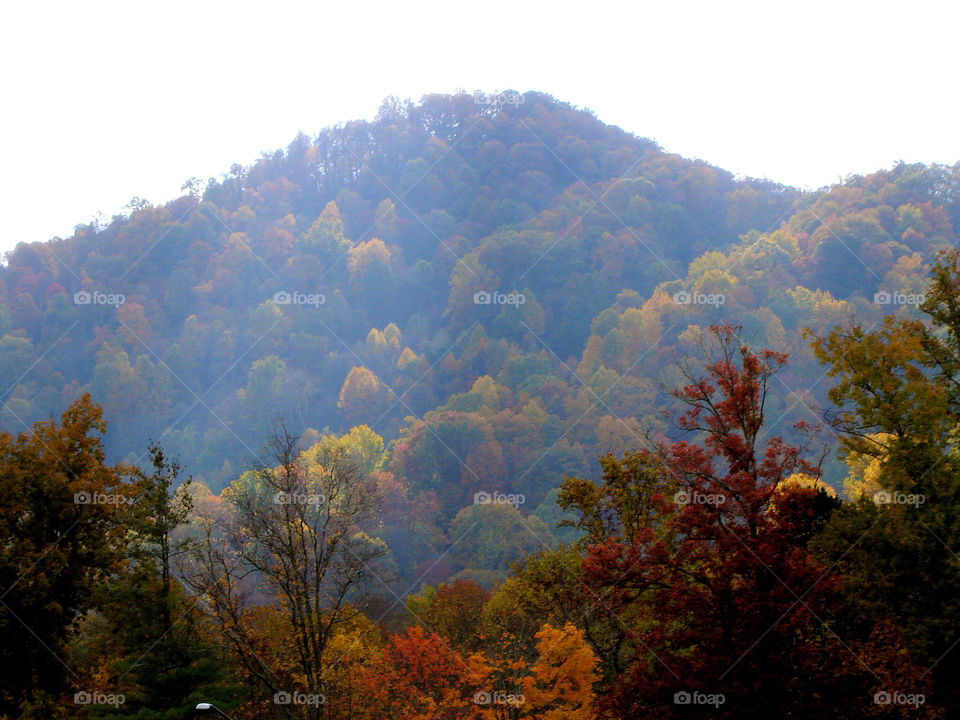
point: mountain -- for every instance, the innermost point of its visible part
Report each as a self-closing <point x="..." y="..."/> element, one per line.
<point x="496" y="285"/>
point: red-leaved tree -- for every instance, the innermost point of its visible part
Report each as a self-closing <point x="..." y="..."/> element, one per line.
<point x="698" y="547"/>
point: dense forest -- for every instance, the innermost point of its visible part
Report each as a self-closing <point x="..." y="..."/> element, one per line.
<point x="485" y="409"/>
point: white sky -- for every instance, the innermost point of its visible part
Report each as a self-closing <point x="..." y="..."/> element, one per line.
<point x="104" y="101"/>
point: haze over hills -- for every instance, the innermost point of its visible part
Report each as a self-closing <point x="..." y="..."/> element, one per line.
<point x="334" y="284"/>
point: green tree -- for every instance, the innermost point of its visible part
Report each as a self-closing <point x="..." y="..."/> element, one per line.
<point x="166" y="659"/>
<point x="490" y="537"/>
<point x="325" y="238"/>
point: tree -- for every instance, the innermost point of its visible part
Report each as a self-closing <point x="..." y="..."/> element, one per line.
<point x="386" y="221"/>
<point x="164" y="656"/>
<point x="362" y="448"/>
<point x="363" y="398"/>
<point x="63" y="522"/>
<point x="699" y="548"/>
<point x="268" y="392"/>
<point x="370" y="274"/>
<point x="371" y="256"/>
<point x="325" y="237"/>
<point x="548" y="588"/>
<point x="162" y="507"/>
<point x="353" y="649"/>
<point x="490" y="537"/>
<point x="898" y="410"/>
<point x="560" y="684"/>
<point x="419" y="677"/>
<point x="298" y="528"/>
<point x="453" y="610"/>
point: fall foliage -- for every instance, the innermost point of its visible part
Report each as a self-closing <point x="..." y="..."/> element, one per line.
<point x="486" y="411"/>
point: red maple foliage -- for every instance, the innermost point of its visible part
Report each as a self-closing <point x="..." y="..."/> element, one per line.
<point x="725" y="605"/>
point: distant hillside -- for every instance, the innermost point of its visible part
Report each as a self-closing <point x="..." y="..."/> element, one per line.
<point x="497" y="286"/>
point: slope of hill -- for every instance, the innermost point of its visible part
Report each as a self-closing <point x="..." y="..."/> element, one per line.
<point x="496" y="286"/>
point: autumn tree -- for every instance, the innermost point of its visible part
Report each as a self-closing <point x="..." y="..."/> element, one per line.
<point x="297" y="527"/>
<point x="63" y="522"/>
<point x="352" y="651"/>
<point x="453" y="610"/>
<point x="363" y="398"/>
<point x="386" y="220"/>
<point x="699" y="549"/>
<point x="548" y="588"/>
<point x="560" y="684"/>
<point x="325" y="238"/>
<point x="420" y="677"/>
<point x="362" y="448"/>
<point x="897" y="412"/>
<point x="486" y="539"/>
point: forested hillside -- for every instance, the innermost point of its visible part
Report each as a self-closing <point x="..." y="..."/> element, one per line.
<point x="468" y="302"/>
<point x="333" y="284"/>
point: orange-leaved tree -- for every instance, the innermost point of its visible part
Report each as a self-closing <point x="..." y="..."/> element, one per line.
<point x="560" y="686"/>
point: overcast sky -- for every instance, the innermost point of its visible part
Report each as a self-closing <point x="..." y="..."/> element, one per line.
<point x="104" y="101"/>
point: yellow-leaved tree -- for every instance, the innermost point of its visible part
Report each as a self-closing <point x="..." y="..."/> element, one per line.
<point x="363" y="398"/>
<point x="560" y="686"/>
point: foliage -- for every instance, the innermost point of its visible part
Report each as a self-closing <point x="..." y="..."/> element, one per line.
<point x="456" y="306"/>
<point x="64" y="519"/>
